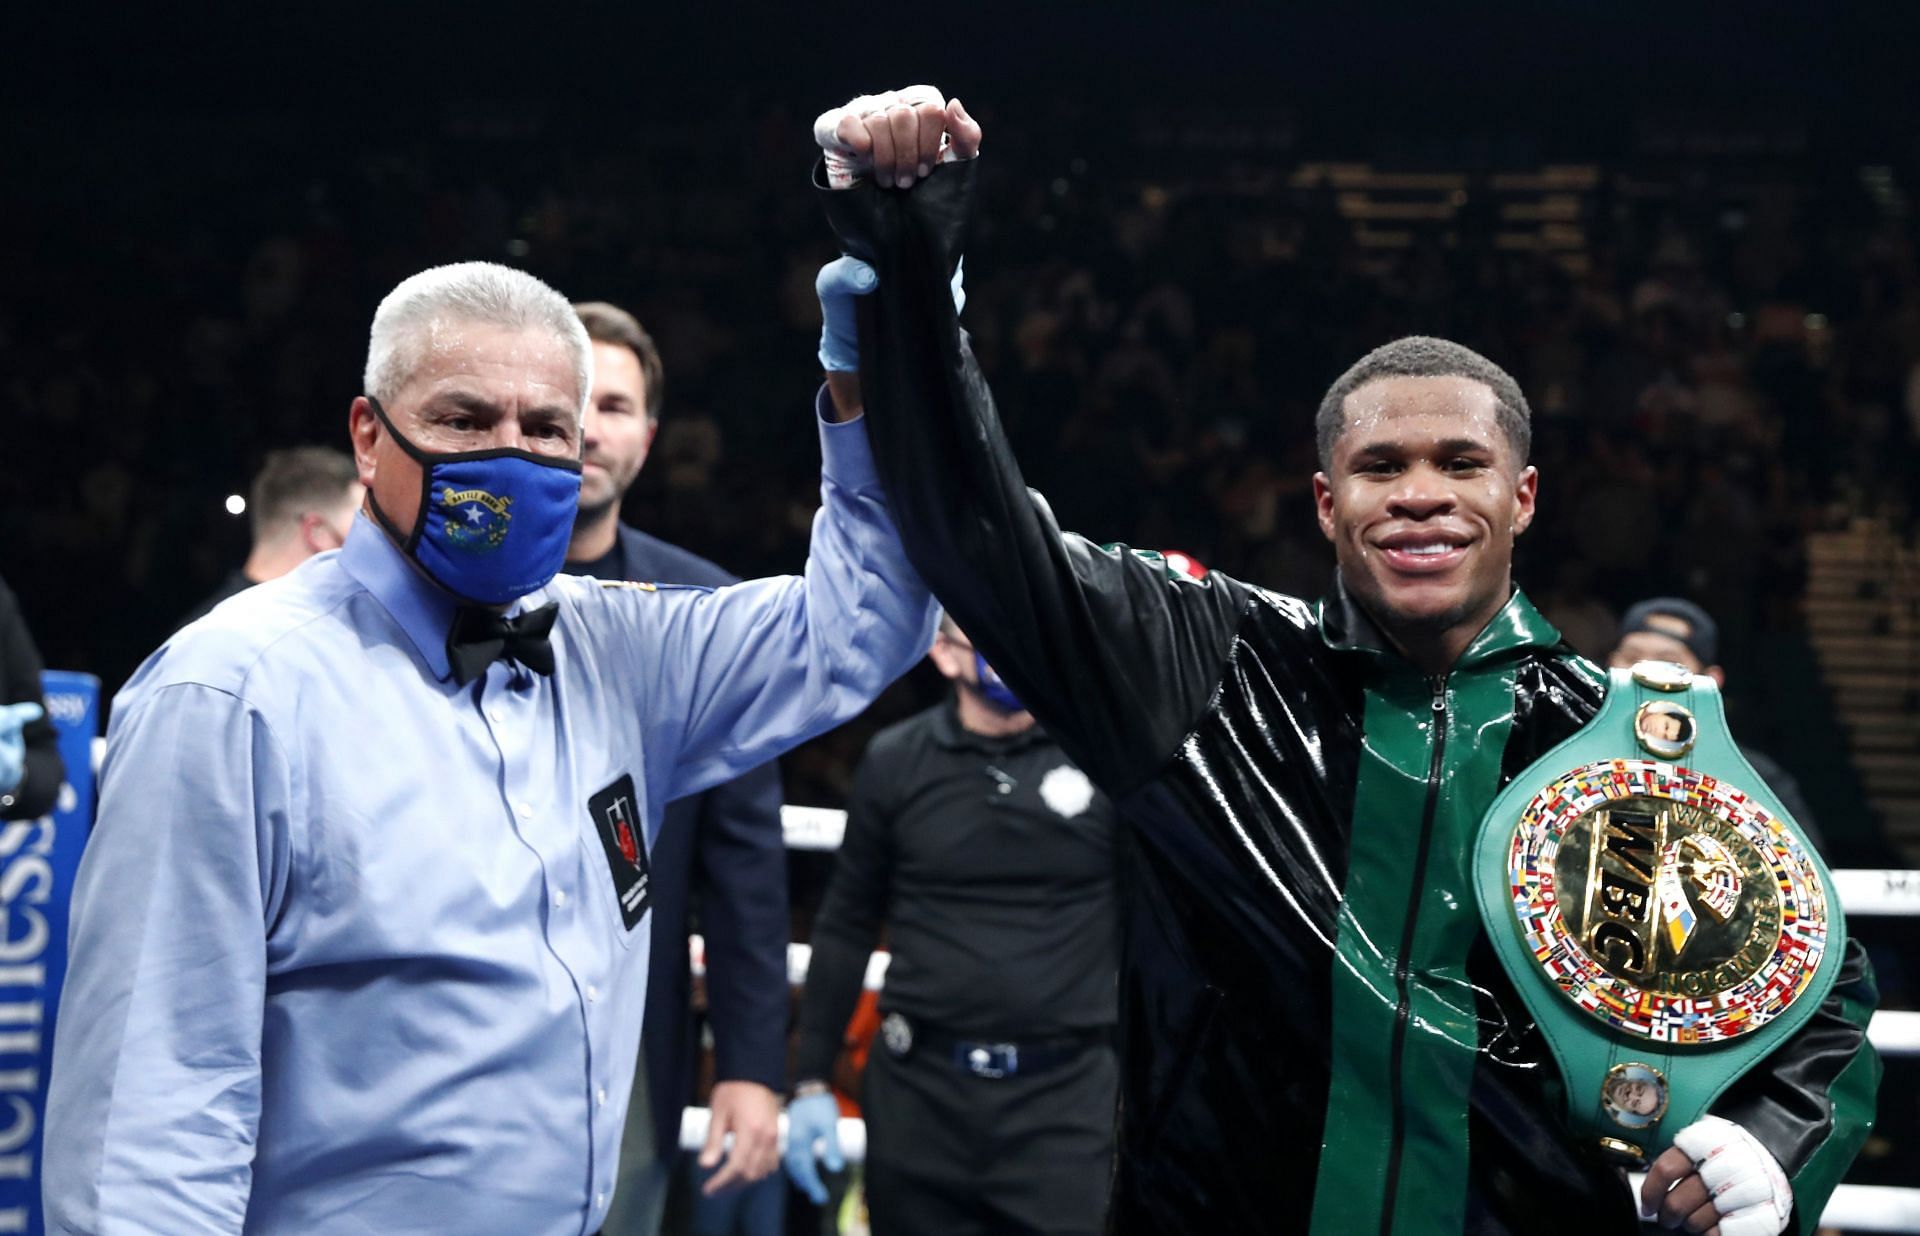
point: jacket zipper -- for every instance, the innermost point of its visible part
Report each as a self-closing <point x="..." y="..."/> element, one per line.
<point x="1403" y="1012"/>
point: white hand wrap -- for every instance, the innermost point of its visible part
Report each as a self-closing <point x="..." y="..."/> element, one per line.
<point x="843" y="165"/>
<point x="1748" y="1188"/>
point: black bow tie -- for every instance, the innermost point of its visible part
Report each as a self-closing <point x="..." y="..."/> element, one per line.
<point x="481" y="636"/>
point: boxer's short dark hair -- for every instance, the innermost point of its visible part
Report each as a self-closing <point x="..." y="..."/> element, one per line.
<point x="1422" y="356"/>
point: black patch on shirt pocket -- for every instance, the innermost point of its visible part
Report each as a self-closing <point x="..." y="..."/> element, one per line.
<point x="616" y="817"/>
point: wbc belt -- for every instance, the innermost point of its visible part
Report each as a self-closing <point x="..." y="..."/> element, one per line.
<point x="1660" y="914"/>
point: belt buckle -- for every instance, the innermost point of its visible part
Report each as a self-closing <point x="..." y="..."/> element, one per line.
<point x="896" y="1033"/>
<point x="981" y="1059"/>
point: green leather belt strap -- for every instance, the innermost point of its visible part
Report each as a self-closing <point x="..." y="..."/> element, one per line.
<point x="1662" y="917"/>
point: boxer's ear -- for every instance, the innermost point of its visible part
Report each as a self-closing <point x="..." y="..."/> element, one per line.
<point x="1323" y="503"/>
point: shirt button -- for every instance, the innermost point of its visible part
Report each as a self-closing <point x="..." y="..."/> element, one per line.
<point x="525" y="810"/>
<point x="600" y="1097"/>
<point x="499" y="717"/>
<point x="593" y="993"/>
<point x="600" y="1199"/>
<point x="560" y="898"/>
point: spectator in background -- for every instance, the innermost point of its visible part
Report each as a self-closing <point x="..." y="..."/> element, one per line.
<point x="723" y="845"/>
<point x="301" y="504"/>
<point x="989" y="859"/>
<point x="1674" y="629"/>
<point x="30" y="767"/>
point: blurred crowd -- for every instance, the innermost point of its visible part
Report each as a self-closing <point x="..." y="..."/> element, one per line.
<point x="1720" y="361"/>
<point x="1724" y="360"/>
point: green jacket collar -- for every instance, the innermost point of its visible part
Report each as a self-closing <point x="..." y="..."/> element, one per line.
<point x="1346" y="626"/>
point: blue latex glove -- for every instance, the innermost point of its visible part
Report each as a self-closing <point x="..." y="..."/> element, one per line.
<point x="815" y="1118"/>
<point x="837" y="284"/>
<point x="13" y="744"/>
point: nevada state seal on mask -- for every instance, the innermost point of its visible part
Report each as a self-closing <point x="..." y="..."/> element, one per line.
<point x="477" y="521"/>
<point x="1659" y="912"/>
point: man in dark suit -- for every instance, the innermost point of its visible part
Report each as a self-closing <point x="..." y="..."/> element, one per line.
<point x="723" y="846"/>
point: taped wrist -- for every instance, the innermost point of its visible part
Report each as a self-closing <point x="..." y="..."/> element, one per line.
<point x="1752" y="1194"/>
<point x="844" y="166"/>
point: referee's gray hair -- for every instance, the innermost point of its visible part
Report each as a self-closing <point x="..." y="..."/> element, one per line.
<point x="466" y="292"/>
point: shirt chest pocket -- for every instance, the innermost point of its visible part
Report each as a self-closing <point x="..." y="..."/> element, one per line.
<point x="602" y="898"/>
<point x="614" y="856"/>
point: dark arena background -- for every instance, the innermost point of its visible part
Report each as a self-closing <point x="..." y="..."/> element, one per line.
<point x="1689" y="233"/>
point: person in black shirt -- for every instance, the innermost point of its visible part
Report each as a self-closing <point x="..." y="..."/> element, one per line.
<point x="301" y="503"/>
<point x="30" y="767"/>
<point x="990" y="860"/>
<point x="1675" y="629"/>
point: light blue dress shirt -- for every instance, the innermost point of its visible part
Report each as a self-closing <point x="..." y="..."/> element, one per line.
<point x="347" y="954"/>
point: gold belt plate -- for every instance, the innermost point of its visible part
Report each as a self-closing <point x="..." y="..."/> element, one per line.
<point x="1666" y="902"/>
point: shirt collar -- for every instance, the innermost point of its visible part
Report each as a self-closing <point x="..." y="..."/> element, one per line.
<point x="949" y="733"/>
<point x="1347" y="627"/>
<point x="1517" y="626"/>
<point x="422" y="608"/>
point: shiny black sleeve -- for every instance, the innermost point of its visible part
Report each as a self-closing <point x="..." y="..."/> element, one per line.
<point x="1114" y="653"/>
<point x="20" y="683"/>
<point x="1811" y="1102"/>
<point x="848" y="925"/>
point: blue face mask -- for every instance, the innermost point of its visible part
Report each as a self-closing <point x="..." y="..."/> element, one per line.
<point x="996" y="692"/>
<point x="492" y="525"/>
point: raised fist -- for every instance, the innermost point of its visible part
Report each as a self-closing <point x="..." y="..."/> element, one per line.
<point x="898" y="136"/>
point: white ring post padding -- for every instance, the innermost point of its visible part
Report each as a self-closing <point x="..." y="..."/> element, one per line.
<point x="1866" y="890"/>
<point x="799" y="956"/>
<point x="1863" y="891"/>
<point x="1895" y="1033"/>
<point x="695" y="1121"/>
<point x="1870" y="1208"/>
<point x="813" y="828"/>
<point x="1892" y="1032"/>
<point x="1859" y="1208"/>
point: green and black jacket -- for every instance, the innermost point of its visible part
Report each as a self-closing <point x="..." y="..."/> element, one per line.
<point x="1316" y="1035"/>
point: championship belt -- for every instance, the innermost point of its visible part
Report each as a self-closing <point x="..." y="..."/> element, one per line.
<point x="1661" y="915"/>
